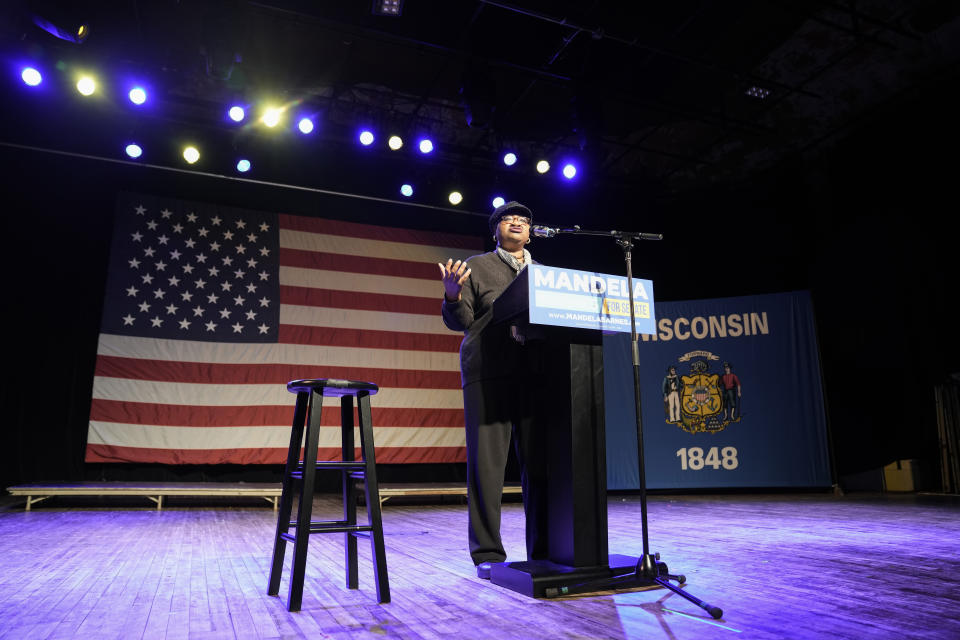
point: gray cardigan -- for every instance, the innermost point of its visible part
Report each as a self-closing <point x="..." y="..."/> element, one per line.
<point x="486" y="352"/>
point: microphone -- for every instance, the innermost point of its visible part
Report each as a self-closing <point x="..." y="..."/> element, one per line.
<point x="541" y="231"/>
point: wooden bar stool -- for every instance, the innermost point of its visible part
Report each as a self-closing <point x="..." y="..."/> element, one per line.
<point x="308" y="409"/>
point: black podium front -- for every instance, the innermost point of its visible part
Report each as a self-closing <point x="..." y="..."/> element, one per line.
<point x="569" y="385"/>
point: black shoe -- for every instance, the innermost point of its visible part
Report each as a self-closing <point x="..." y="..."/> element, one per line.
<point x="483" y="570"/>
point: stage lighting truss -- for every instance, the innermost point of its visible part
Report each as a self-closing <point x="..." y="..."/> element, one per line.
<point x="66" y="27"/>
<point x="88" y="85"/>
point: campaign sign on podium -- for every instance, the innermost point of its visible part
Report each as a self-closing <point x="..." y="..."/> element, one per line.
<point x="588" y="300"/>
<point x="560" y="316"/>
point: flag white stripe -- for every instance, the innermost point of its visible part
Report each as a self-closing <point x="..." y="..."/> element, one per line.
<point x="311" y="357"/>
<point x="361" y="319"/>
<point x="233" y="395"/>
<point x="307" y="241"/>
<point x="362" y="282"/>
<point x="261" y="437"/>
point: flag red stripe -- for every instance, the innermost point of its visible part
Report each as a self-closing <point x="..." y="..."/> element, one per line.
<point x="385" y="455"/>
<point x="370" y="232"/>
<point x="209" y="373"/>
<point x="176" y="415"/>
<point x="309" y="296"/>
<point x="367" y="338"/>
<point x="357" y="264"/>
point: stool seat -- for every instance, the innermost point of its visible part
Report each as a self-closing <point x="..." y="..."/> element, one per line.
<point x="300" y="473"/>
<point x="331" y="387"/>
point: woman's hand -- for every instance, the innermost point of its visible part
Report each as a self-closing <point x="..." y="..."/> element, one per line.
<point x="454" y="274"/>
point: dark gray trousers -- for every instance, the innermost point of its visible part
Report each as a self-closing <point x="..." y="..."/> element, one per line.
<point x="493" y="410"/>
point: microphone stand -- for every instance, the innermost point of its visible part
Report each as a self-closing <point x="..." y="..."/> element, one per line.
<point x="649" y="569"/>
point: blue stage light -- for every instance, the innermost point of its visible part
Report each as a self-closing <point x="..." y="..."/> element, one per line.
<point x="406" y="190"/>
<point x="509" y="158"/>
<point x="243" y="166"/>
<point x="366" y="137"/>
<point x="31" y="76"/>
<point x="137" y="95"/>
<point x="498" y="202"/>
<point x="133" y="150"/>
<point x="569" y="171"/>
<point x="426" y="145"/>
<point x="305" y="125"/>
<point x="236" y="113"/>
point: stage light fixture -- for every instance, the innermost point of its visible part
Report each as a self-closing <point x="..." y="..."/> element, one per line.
<point x="243" y="165"/>
<point x="406" y="190"/>
<point x="31" y="76"/>
<point x="366" y="137"/>
<point x="498" y="202"/>
<point x="191" y="154"/>
<point x="392" y="8"/>
<point x="305" y="125"/>
<point x="426" y="145"/>
<point x="133" y="150"/>
<point x="137" y="95"/>
<point x="569" y="171"/>
<point x="455" y="197"/>
<point x="236" y="113"/>
<point x="758" y="92"/>
<point x="543" y="166"/>
<point x="510" y="158"/>
<point x="271" y="117"/>
<point x="86" y="85"/>
<point x="64" y="24"/>
<point x="395" y="143"/>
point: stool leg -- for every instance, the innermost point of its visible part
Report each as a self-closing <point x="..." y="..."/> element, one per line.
<point x="286" y="496"/>
<point x="373" y="498"/>
<point x="305" y="509"/>
<point x="349" y="492"/>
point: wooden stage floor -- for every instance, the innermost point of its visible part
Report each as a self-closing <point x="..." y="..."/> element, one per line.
<point x="784" y="566"/>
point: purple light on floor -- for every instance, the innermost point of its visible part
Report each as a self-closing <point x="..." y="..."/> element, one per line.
<point x="569" y="171"/>
<point x="31" y="76"/>
<point x="366" y="137"/>
<point x="426" y="145"/>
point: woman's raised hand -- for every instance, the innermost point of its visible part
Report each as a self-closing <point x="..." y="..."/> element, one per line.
<point x="453" y="274"/>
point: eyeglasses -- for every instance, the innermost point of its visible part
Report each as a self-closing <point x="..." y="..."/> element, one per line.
<point x="521" y="220"/>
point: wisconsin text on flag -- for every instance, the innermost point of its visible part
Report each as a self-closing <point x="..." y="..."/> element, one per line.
<point x="209" y="311"/>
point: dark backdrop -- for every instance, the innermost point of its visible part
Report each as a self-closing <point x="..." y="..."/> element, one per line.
<point x="866" y="226"/>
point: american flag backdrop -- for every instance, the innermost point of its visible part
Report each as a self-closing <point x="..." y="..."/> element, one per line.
<point x="210" y="311"/>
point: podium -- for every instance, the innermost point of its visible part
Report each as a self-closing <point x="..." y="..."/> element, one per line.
<point x="571" y="387"/>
